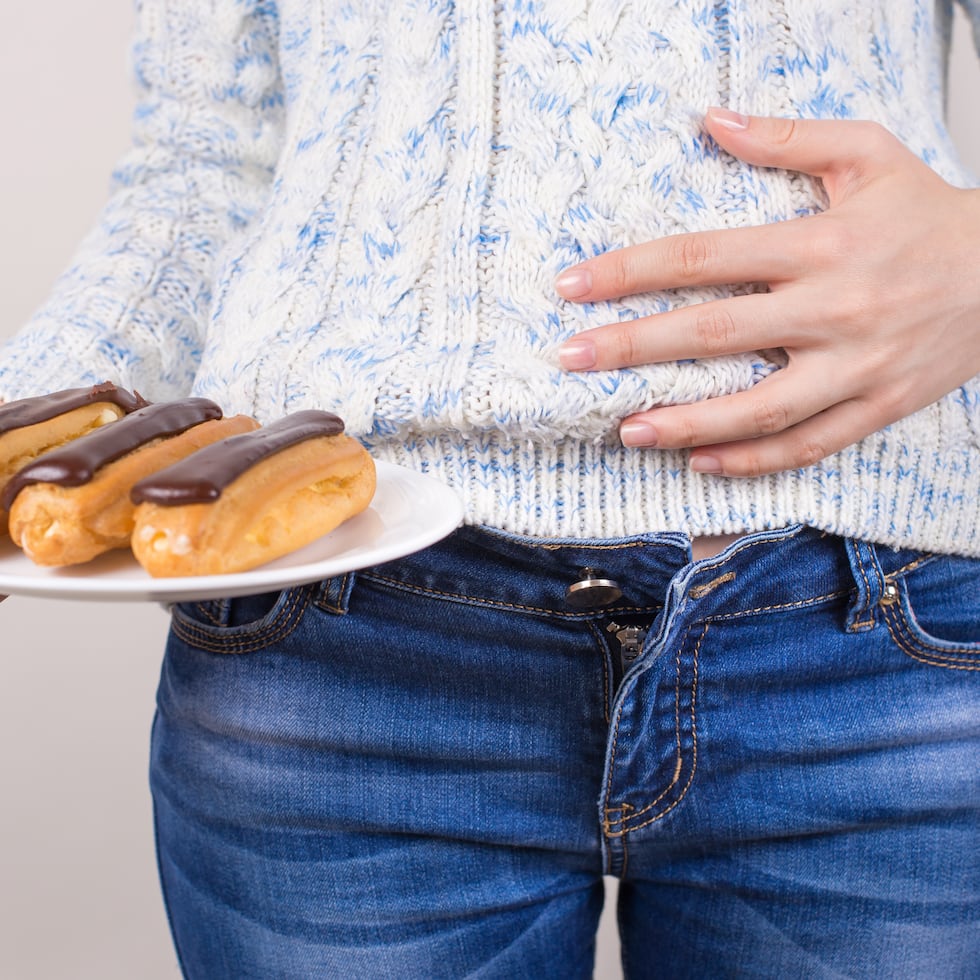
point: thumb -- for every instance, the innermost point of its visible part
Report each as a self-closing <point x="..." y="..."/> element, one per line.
<point x="845" y="154"/>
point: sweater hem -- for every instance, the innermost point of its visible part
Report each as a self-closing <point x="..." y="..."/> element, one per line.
<point x="580" y="491"/>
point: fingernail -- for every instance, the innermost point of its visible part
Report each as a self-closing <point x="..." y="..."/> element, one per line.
<point x="638" y="434"/>
<point x="705" y="464"/>
<point x="577" y="355"/>
<point x="574" y="282"/>
<point x="730" y="120"/>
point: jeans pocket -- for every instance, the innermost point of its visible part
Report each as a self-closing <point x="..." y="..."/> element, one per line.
<point x="934" y="613"/>
<point x="239" y="625"/>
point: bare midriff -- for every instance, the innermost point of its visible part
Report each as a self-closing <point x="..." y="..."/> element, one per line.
<point x="711" y="544"/>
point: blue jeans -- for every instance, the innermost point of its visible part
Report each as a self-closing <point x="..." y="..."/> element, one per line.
<point x="424" y="769"/>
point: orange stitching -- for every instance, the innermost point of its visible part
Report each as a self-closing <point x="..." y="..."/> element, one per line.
<point x="612" y="765"/>
<point x="867" y="608"/>
<point x="584" y="546"/>
<point x="910" y="644"/>
<point x="700" y="591"/>
<point x="867" y="584"/>
<point x="904" y="569"/>
<point x="785" y="605"/>
<point x="912" y="565"/>
<point x="901" y="621"/>
<point x="694" y="736"/>
<point x="678" y="769"/>
<point x="284" y="628"/>
<point x="495" y="604"/>
<point x="283" y="625"/>
<point x="419" y="590"/>
<point x="607" y="821"/>
<point x="694" y="757"/>
<point x="932" y="662"/>
<point x="330" y="607"/>
<point x="204" y="609"/>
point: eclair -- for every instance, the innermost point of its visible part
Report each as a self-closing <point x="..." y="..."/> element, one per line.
<point x="251" y="498"/>
<point x="32" y="426"/>
<point x="73" y="503"/>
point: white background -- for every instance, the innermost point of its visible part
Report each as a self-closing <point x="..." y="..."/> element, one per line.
<point x="78" y="890"/>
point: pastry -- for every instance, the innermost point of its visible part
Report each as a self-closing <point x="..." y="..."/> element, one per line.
<point x="73" y="503"/>
<point x="32" y="426"/>
<point x="251" y="498"/>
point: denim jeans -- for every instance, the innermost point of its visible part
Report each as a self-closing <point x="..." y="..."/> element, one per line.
<point x="424" y="769"/>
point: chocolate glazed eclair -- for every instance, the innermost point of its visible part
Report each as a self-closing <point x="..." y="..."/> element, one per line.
<point x="73" y="503"/>
<point x="32" y="426"/>
<point x="252" y="498"/>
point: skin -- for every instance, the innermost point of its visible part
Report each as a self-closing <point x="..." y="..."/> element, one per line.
<point x="876" y="301"/>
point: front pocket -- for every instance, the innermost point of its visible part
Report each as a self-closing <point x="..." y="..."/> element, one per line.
<point x="933" y="612"/>
<point x="241" y="625"/>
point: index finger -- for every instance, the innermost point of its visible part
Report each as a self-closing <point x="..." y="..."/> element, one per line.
<point x="759" y="254"/>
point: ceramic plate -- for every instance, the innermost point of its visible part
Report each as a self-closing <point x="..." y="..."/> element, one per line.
<point x="409" y="512"/>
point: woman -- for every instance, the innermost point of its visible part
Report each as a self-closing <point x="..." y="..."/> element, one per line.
<point x="706" y="380"/>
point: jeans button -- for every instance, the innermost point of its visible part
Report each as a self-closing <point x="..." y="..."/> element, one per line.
<point x="592" y="591"/>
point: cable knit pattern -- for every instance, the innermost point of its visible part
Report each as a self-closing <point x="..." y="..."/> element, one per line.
<point x="362" y="207"/>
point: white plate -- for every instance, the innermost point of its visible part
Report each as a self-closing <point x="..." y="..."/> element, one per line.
<point x="409" y="512"/>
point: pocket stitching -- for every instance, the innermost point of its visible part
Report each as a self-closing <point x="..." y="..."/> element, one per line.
<point x="909" y="643"/>
<point x="204" y="608"/>
<point x="279" y="628"/>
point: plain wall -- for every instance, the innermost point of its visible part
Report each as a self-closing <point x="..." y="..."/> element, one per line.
<point x="78" y="889"/>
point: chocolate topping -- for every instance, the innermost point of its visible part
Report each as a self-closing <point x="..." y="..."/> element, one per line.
<point x="200" y="478"/>
<point x="75" y="463"/>
<point x="29" y="411"/>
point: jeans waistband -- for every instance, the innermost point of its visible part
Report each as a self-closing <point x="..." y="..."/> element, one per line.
<point x="760" y="572"/>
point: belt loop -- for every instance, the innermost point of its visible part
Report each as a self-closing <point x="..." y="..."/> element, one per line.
<point x="870" y="582"/>
<point x="333" y="594"/>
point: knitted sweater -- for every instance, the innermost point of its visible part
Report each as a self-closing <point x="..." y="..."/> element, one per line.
<point x="362" y="207"/>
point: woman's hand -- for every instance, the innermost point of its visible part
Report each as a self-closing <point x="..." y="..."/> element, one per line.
<point x="876" y="302"/>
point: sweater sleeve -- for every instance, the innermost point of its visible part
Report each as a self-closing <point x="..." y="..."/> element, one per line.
<point x="132" y="307"/>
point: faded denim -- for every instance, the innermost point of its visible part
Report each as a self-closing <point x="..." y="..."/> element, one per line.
<point x="423" y="770"/>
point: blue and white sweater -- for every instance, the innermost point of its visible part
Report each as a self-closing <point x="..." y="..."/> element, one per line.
<point x="362" y="207"/>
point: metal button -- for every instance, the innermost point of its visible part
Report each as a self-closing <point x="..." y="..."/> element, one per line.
<point x="592" y="591"/>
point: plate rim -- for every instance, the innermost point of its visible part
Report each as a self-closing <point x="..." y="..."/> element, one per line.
<point x="47" y="583"/>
